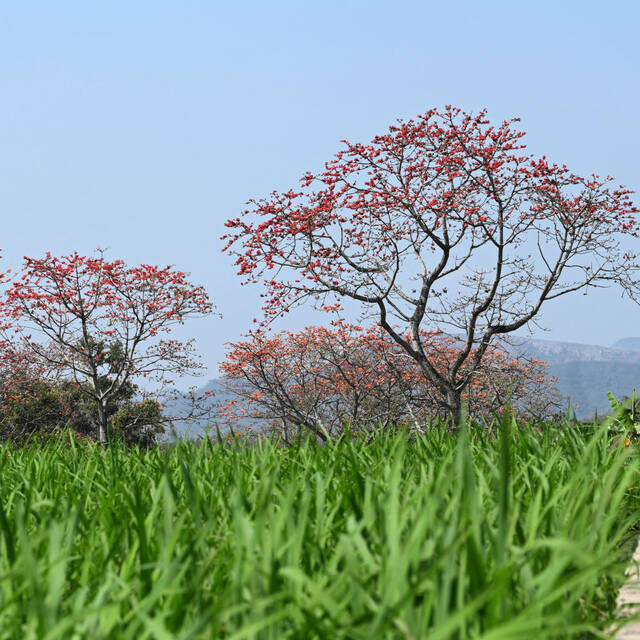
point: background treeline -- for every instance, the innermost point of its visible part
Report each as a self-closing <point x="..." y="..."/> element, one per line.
<point x="33" y="406"/>
<point x="319" y="380"/>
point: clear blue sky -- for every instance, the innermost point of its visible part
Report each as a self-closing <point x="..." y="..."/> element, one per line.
<point x="143" y="126"/>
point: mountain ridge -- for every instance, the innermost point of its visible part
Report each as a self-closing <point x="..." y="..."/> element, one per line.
<point x="586" y="372"/>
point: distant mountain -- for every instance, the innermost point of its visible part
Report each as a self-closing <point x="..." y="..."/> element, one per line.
<point x="628" y="343"/>
<point x="588" y="382"/>
<point x="585" y="374"/>
<point x="555" y="352"/>
<point x="197" y="428"/>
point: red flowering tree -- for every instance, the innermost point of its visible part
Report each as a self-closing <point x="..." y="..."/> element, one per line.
<point x="445" y="223"/>
<point x="101" y="323"/>
<point x="320" y="378"/>
<point x="315" y="379"/>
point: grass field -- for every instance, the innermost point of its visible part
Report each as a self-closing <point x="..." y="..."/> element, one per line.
<point x="523" y="535"/>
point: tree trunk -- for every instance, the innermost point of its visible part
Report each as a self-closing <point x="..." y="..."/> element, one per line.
<point x="454" y="406"/>
<point x="102" y="424"/>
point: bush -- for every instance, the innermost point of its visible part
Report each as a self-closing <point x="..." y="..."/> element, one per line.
<point x="31" y="406"/>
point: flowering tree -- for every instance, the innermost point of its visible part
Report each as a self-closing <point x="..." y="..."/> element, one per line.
<point x="321" y="378"/>
<point x="443" y="222"/>
<point x="315" y="379"/>
<point x="101" y="323"/>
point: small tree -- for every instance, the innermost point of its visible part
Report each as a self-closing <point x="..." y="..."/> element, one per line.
<point x="100" y="323"/>
<point x="441" y="223"/>
<point x="31" y="406"/>
<point x="321" y="379"/>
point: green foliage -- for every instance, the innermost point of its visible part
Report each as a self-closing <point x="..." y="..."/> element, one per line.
<point x="138" y="422"/>
<point x="625" y="416"/>
<point x="40" y="410"/>
<point x="521" y="535"/>
<point x="45" y="408"/>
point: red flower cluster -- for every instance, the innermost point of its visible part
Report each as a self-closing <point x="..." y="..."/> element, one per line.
<point x="323" y="378"/>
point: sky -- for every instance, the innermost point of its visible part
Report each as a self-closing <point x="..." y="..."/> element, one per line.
<point x="141" y="127"/>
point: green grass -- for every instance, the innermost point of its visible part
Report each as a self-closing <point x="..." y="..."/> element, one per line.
<point x="520" y="536"/>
